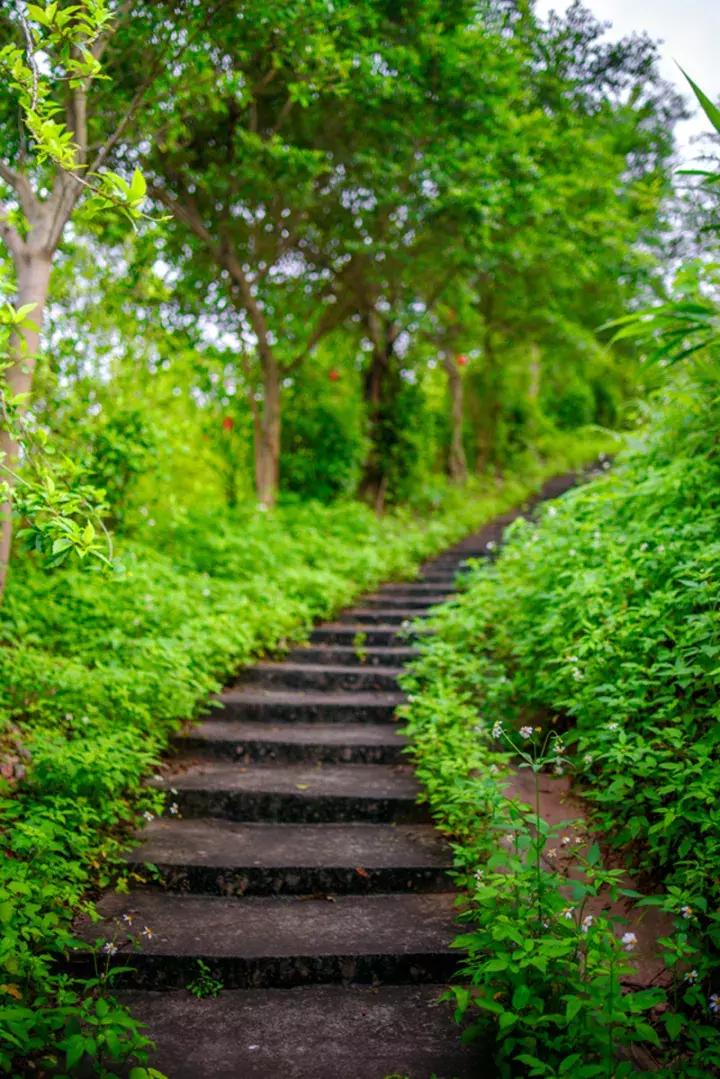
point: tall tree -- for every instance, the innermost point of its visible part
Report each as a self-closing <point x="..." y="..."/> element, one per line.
<point x="47" y="164"/>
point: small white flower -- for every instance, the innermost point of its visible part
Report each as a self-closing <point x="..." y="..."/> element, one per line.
<point x="566" y="841"/>
<point x="714" y="1003"/>
<point x="127" y="918"/>
<point x="109" y="948"/>
<point x="551" y="853"/>
<point x="578" y="675"/>
<point x="551" y="511"/>
<point x="687" y="912"/>
<point x="691" y="976"/>
<point x="173" y="790"/>
<point x="490" y="546"/>
<point x="174" y="809"/>
<point x="497" y="730"/>
<point x="559" y="770"/>
<point x="526" y="732"/>
<point x="479" y="876"/>
<point x="147" y="932"/>
<point x="628" y="941"/>
<point x="558" y="747"/>
<point x="613" y="726"/>
<point x="588" y="758"/>
<point x="568" y="913"/>
<point x="587" y="922"/>
<point x="148" y="815"/>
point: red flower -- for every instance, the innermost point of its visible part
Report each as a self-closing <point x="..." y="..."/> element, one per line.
<point x="228" y="423"/>
<point x="333" y="375"/>
<point x="462" y="361"/>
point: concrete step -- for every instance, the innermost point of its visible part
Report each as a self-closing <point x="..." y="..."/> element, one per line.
<point x="219" y="857"/>
<point x="278" y="941"/>
<point x="389" y="601"/>
<point x="296" y="792"/>
<point x="246" y="741"/>
<point x="392" y="616"/>
<point x="314" y="1032"/>
<point x="290" y="675"/>
<point x="254" y="702"/>
<point x="373" y="635"/>
<point x="345" y="655"/>
<point x="417" y="588"/>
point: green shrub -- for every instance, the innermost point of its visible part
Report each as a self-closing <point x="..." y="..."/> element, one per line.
<point x="599" y="621"/>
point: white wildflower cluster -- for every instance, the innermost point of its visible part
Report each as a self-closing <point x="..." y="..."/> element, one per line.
<point x="714" y="1003"/>
<point x="526" y="732"/>
<point x="497" y="730"/>
<point x="109" y="948"/>
<point x="628" y="941"/>
<point x="687" y="912"/>
<point x="587" y="922"/>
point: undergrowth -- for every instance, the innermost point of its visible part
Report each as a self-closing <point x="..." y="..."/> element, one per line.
<point x="98" y="669"/>
<point x="597" y="623"/>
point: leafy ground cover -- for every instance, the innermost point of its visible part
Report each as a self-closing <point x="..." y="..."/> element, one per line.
<point x="98" y="669"/>
<point x="590" y="646"/>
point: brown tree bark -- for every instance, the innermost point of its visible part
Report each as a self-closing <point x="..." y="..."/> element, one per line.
<point x="457" y="461"/>
<point x="33" y="265"/>
<point x="268" y="429"/>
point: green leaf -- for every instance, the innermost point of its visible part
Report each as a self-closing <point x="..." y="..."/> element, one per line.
<point x="711" y="111"/>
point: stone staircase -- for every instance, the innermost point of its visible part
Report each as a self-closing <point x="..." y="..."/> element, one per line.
<point x="299" y="867"/>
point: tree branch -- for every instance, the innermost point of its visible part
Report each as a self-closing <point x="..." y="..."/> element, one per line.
<point x="14" y="241"/>
<point x="20" y="184"/>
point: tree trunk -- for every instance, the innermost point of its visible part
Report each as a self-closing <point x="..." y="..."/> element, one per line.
<point x="267" y="434"/>
<point x="374" y="479"/>
<point x="33" y="277"/>
<point x="457" y="462"/>
<point x="534" y="372"/>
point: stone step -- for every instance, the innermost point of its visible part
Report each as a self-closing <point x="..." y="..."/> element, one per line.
<point x="219" y="857"/>
<point x="390" y="601"/>
<point x="296" y="792"/>
<point x="383" y="616"/>
<point x="313" y="1032"/>
<point x="417" y="588"/>
<point x="290" y="675"/>
<point x="278" y="941"/>
<point x="345" y="655"/>
<point x="246" y="741"/>
<point x="254" y="702"/>
<point x="373" y="635"/>
<point x="439" y="578"/>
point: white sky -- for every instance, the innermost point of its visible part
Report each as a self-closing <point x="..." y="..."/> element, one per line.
<point x="690" y="34"/>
